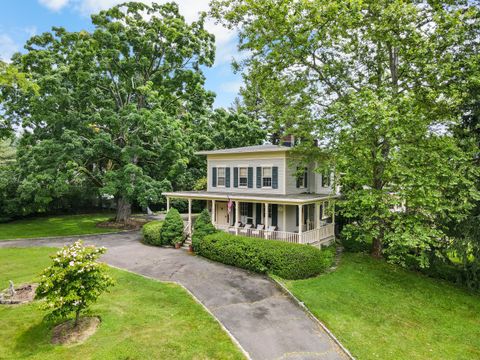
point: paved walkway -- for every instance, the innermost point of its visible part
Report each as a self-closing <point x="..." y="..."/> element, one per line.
<point x="266" y="322"/>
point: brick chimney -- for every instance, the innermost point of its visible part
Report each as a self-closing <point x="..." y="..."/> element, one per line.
<point x="288" y="140"/>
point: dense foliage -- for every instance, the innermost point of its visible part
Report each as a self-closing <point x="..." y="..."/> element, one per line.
<point x="379" y="85"/>
<point x="171" y="232"/>
<point x="74" y="281"/>
<point x="151" y="233"/>
<point x="119" y="114"/>
<point x="289" y="261"/>
<point x="203" y="226"/>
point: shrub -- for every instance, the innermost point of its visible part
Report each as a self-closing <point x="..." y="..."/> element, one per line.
<point x="289" y="261"/>
<point x="74" y="281"/>
<point x="151" y="233"/>
<point x="203" y="227"/>
<point x="171" y="231"/>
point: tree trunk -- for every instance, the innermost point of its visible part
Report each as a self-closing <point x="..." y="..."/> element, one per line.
<point x="77" y="317"/>
<point x="377" y="248"/>
<point x="124" y="210"/>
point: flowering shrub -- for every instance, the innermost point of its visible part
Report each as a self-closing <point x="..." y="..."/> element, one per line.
<point x="74" y="280"/>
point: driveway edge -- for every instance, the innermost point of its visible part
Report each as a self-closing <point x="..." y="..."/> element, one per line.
<point x="72" y="236"/>
<point x="284" y="289"/>
<point x="234" y="339"/>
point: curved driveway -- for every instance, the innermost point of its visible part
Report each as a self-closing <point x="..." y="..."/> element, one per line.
<point x="267" y="323"/>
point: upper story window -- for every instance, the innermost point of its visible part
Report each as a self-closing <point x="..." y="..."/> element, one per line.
<point x="302" y="178"/>
<point x="325" y="179"/>
<point x="267" y="177"/>
<point x="243" y="176"/>
<point x="221" y="176"/>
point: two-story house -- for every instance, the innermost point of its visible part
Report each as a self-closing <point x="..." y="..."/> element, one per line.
<point x="261" y="191"/>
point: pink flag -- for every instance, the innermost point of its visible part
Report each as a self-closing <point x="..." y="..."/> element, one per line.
<point x="229" y="206"/>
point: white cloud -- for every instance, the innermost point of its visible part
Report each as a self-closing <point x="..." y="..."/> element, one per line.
<point x="54" y="5"/>
<point x="7" y="47"/>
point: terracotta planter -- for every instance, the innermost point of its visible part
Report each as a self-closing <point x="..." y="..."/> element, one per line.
<point x="178" y="245"/>
<point x="190" y="248"/>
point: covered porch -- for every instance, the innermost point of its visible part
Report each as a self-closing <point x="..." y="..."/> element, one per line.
<point x="298" y="218"/>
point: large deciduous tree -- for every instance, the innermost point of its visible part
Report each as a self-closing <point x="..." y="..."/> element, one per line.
<point x="378" y="84"/>
<point x="114" y="105"/>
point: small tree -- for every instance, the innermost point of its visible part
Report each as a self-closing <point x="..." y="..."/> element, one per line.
<point x="203" y="227"/>
<point x="74" y="281"/>
<point x="172" y="229"/>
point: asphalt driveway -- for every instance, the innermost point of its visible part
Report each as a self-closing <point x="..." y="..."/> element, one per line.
<point x="267" y="323"/>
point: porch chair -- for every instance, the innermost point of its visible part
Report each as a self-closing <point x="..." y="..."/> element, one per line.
<point x="271" y="231"/>
<point x="245" y="228"/>
<point x="258" y="230"/>
<point x="233" y="230"/>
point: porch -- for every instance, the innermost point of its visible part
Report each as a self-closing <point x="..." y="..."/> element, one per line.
<point x="298" y="218"/>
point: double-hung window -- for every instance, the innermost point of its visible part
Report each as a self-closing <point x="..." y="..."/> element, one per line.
<point x="326" y="179"/>
<point x="302" y="178"/>
<point x="221" y="176"/>
<point x="267" y="177"/>
<point x="243" y="177"/>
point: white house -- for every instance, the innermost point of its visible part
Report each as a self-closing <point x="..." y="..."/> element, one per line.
<point x="267" y="199"/>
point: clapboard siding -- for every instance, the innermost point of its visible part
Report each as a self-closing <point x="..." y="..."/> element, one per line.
<point x="277" y="161"/>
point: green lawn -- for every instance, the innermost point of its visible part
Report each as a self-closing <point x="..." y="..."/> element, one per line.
<point x="380" y="311"/>
<point x="141" y="319"/>
<point x="54" y="226"/>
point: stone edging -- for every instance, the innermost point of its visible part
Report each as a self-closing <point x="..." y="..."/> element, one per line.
<point x="309" y="313"/>
<point x="234" y="339"/>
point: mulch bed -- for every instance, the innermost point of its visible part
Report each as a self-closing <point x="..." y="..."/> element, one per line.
<point x="132" y="224"/>
<point x="23" y="294"/>
<point x="67" y="334"/>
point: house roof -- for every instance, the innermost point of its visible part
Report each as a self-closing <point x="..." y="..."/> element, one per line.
<point x="247" y="149"/>
<point x="294" y="199"/>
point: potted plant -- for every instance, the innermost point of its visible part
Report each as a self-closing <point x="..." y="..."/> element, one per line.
<point x="178" y="245"/>
<point x="190" y="248"/>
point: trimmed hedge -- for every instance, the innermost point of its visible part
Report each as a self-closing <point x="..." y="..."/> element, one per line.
<point x="151" y="232"/>
<point x="289" y="261"/>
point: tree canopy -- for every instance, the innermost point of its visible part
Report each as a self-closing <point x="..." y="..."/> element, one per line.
<point x="378" y="84"/>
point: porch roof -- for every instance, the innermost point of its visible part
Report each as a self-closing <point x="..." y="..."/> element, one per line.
<point x="293" y="199"/>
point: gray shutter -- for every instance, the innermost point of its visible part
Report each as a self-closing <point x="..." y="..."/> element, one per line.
<point x="298" y="180"/>
<point x="235" y="177"/>
<point x="227" y="177"/>
<point x="296" y="215"/>
<point x="250" y="177"/>
<point x="259" y="177"/>
<point x="214" y="177"/>
<point x="275" y="177"/>
<point x="249" y="210"/>
<point x="305" y="174"/>
<point x="258" y="214"/>
<point x="274" y="214"/>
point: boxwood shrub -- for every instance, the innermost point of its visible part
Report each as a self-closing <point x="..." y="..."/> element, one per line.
<point x="171" y="231"/>
<point x="289" y="261"/>
<point x="151" y="233"/>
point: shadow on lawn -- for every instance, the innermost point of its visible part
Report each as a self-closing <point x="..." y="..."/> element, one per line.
<point x="33" y="339"/>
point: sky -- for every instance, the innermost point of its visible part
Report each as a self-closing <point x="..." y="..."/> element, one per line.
<point x="21" y="19"/>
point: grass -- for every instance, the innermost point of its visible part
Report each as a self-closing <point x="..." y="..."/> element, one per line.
<point x="380" y="311"/>
<point x="64" y="225"/>
<point x="141" y="319"/>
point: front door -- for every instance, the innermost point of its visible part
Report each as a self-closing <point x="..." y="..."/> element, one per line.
<point x="222" y="213"/>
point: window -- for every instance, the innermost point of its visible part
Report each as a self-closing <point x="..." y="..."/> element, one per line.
<point x="325" y="179"/>
<point x="221" y="176"/>
<point x="243" y="209"/>
<point x="267" y="177"/>
<point x="243" y="177"/>
<point x="302" y="178"/>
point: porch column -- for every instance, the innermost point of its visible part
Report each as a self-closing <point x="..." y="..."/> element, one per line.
<point x="237" y="216"/>
<point x="300" y="223"/>
<point x="266" y="218"/>
<point x="214" y="220"/>
<point x="317" y="215"/>
<point x="168" y="203"/>
<point x="190" y="217"/>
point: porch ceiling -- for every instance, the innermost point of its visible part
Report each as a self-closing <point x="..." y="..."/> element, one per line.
<point x="294" y="199"/>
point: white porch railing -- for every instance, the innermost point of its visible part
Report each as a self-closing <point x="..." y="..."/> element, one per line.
<point x="323" y="233"/>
